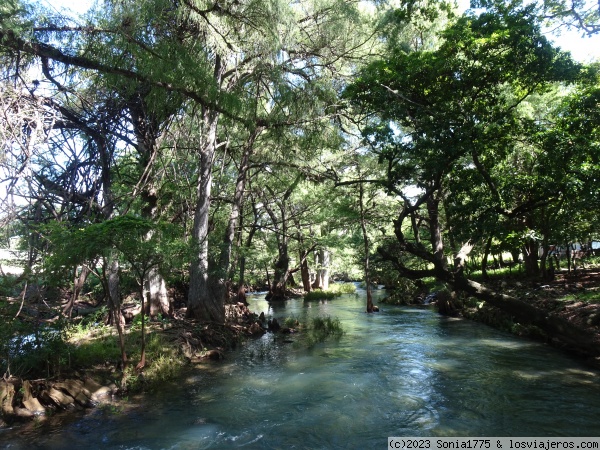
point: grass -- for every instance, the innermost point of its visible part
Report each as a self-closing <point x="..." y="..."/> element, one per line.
<point x="321" y="328"/>
<point x="335" y="290"/>
<point x="61" y="350"/>
<point x="317" y="329"/>
<point x="99" y="347"/>
<point x="587" y="296"/>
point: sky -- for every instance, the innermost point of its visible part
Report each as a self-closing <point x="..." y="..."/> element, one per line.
<point x="583" y="49"/>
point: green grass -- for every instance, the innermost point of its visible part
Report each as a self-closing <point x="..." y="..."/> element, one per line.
<point x="321" y="328"/>
<point x="318" y="294"/>
<point x="335" y="290"/>
<point x="291" y="322"/>
<point x="588" y="296"/>
<point x="90" y="346"/>
<point x="100" y="347"/>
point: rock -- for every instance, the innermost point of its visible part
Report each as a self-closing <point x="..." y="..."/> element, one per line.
<point x="29" y="401"/>
<point x="77" y="390"/>
<point x="256" y="329"/>
<point x="213" y="355"/>
<point x="23" y="413"/>
<point x="53" y="396"/>
<point x="97" y="391"/>
<point x="38" y="396"/>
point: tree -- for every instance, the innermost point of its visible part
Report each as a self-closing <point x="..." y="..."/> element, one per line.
<point x="457" y="107"/>
<point x="252" y="65"/>
<point x="579" y="14"/>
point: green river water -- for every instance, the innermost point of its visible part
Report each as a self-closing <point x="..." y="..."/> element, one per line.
<point x="401" y="372"/>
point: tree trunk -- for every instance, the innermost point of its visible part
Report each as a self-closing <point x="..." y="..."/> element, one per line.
<point x="544" y="258"/>
<point x="114" y="303"/>
<point x="318" y="282"/>
<point x="242" y="263"/>
<point x="304" y="269"/>
<point x="556" y="327"/>
<point x="202" y="303"/>
<point x="484" y="260"/>
<point x="568" y="254"/>
<point x="363" y="227"/>
<point x="282" y="272"/>
<point x="222" y="275"/>
<point x="436" y="230"/>
<point x="155" y="286"/>
<point x="155" y="290"/>
<point x="530" y="258"/>
<point x="78" y="282"/>
<point x="324" y="270"/>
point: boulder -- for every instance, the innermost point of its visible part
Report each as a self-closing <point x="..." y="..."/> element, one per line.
<point x="97" y="391"/>
<point x="77" y="390"/>
<point x="30" y="402"/>
<point x="53" y="396"/>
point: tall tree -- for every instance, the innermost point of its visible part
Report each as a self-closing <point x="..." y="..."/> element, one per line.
<point x="451" y="105"/>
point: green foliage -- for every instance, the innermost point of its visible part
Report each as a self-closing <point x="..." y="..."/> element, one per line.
<point x="335" y="290"/>
<point x="318" y="294"/>
<point x="342" y="288"/>
<point x="291" y="322"/>
<point x="588" y="296"/>
<point x="165" y="363"/>
<point x="97" y="348"/>
<point x="319" y="329"/>
<point x="30" y="350"/>
<point x="141" y="243"/>
<point x="137" y="322"/>
<point x="9" y="286"/>
<point x="463" y="122"/>
<point x="12" y="14"/>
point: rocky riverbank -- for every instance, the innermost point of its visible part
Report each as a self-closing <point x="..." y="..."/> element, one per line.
<point x="24" y="400"/>
<point x="184" y="343"/>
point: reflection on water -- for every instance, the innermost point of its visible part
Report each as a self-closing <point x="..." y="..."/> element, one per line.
<point x="403" y="371"/>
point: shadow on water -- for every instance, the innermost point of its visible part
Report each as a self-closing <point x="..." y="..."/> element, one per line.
<point x="401" y="372"/>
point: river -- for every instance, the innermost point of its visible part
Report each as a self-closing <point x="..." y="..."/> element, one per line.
<point x="401" y="372"/>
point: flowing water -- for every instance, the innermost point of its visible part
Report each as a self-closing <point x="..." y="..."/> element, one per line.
<point x="401" y="372"/>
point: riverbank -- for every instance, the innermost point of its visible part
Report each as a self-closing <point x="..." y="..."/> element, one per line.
<point x="404" y="370"/>
<point x="92" y="374"/>
<point x="177" y="343"/>
<point x="572" y="296"/>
